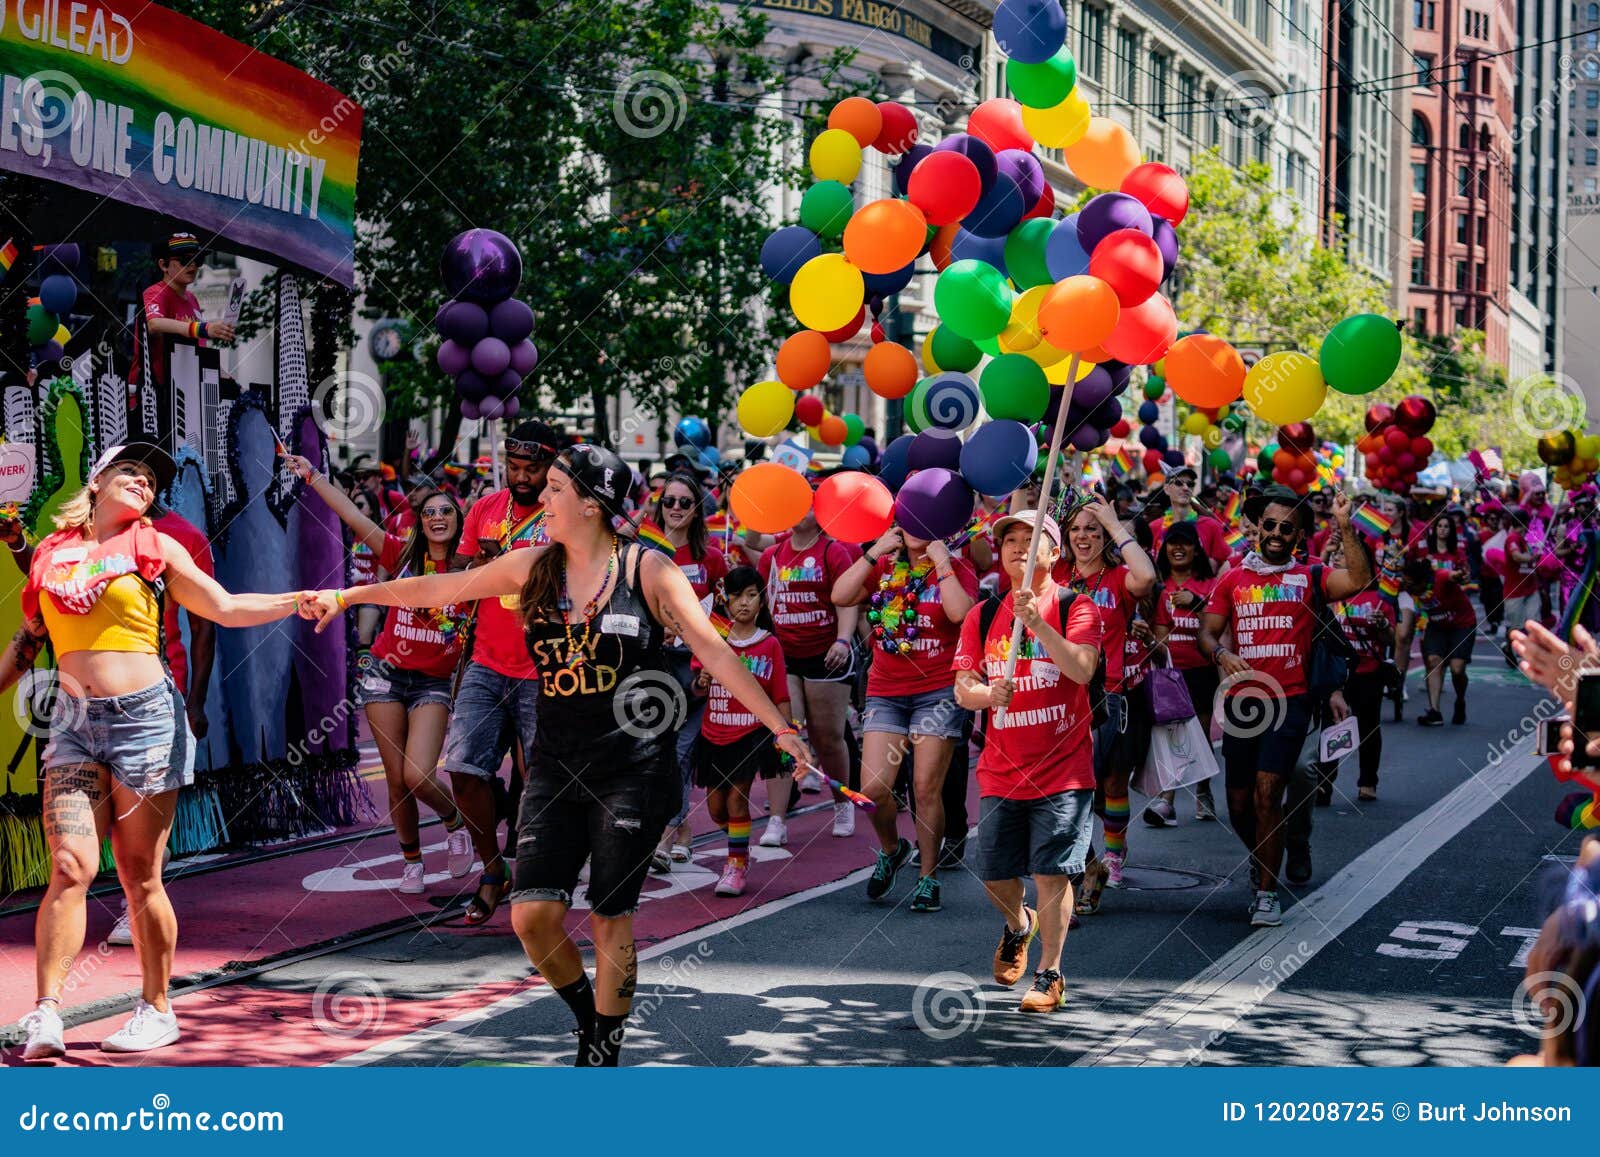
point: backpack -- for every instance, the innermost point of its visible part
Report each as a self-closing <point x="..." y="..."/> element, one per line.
<point x="1097" y="682"/>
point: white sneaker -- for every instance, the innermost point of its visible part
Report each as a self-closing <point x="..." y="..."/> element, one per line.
<point x="1267" y="912"/>
<point x="458" y="852"/>
<point x="775" y="834"/>
<point x="121" y="935"/>
<point x="411" y="883"/>
<point x="146" y="1029"/>
<point x="811" y="782"/>
<point x="44" y="1034"/>
<point x="844" y="819"/>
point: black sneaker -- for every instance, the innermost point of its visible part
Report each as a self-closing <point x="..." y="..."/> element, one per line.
<point x="1299" y="866"/>
<point x="1459" y="715"/>
<point x="883" y="872"/>
<point x="925" y="896"/>
<point x="1430" y="718"/>
<point x="953" y="853"/>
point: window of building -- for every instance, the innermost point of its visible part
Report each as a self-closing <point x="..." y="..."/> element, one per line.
<point x="1461" y="275"/>
<point x="1462" y="234"/>
<point x="1591" y="128"/>
<point x="1160" y="67"/>
<point x="1464" y="137"/>
<point x="1481" y="271"/>
<point x="1483" y="230"/>
<point x="1463" y="181"/>
<point x="1466" y="76"/>
<point x="1418" y="8"/>
<point x="1461" y="319"/>
<point x="1214" y="131"/>
<point x="1126" y="62"/>
<point x="1419" y="130"/>
<point x="1419" y="177"/>
<point x="1592" y="14"/>
<point x="1188" y="94"/>
<point x="1486" y="82"/>
<point x="1092" y="42"/>
<point x="1419" y="321"/>
<point x="1484" y="140"/>
<point x="1591" y="157"/>
<point x="1419" y="224"/>
<point x="1424" y="62"/>
<point x="1591" y="98"/>
<point x="1419" y="269"/>
<point x="1259" y="132"/>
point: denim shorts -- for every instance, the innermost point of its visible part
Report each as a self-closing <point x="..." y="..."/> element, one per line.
<point x="1034" y="837"/>
<point x="382" y="683"/>
<point x="143" y="738"/>
<point x="932" y="713"/>
<point x="491" y="712"/>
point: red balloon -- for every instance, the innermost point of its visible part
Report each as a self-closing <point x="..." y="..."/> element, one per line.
<point x="997" y="122"/>
<point x="1281" y="459"/>
<point x="1397" y="439"/>
<point x="1129" y="262"/>
<point x="1415" y="415"/>
<point x="809" y="409"/>
<point x="1298" y="436"/>
<point x="848" y="330"/>
<point x="1121" y="429"/>
<point x="1159" y="188"/>
<point x="1045" y="206"/>
<point x="1405" y="460"/>
<point x="1379" y="414"/>
<point x="945" y="186"/>
<point x="1144" y="332"/>
<point x="899" y="131"/>
<point x="1372" y="461"/>
<point x="854" y="507"/>
<point x="1422" y="448"/>
<point x="1152" y="461"/>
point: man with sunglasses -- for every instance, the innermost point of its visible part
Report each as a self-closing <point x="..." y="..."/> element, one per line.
<point x="1180" y="488"/>
<point x="169" y="307"/>
<point x="497" y="689"/>
<point x="1270" y="603"/>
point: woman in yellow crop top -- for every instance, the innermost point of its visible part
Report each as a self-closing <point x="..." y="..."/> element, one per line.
<point x="120" y="747"/>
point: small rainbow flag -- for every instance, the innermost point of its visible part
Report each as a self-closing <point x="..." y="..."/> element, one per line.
<point x="1236" y="539"/>
<point x="1389" y="585"/>
<point x="651" y="535"/>
<point x="8" y="257"/>
<point x="719" y="523"/>
<point x="855" y="797"/>
<point x="1123" y="461"/>
<point x="1235" y="507"/>
<point x="1372" y="521"/>
<point x="721" y="623"/>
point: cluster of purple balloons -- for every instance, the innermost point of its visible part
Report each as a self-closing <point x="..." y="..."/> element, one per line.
<point x="486" y="346"/>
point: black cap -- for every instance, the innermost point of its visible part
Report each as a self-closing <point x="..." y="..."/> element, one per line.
<point x="146" y="453"/>
<point x="599" y="473"/>
<point x="184" y="246"/>
<point x="1185" y="469"/>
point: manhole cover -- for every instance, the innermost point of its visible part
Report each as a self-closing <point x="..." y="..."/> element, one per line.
<point x="1146" y="879"/>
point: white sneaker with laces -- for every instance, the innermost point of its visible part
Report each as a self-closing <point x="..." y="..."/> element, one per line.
<point x="458" y="852"/>
<point x="44" y="1034"/>
<point x="811" y="782"/>
<point x="1267" y="913"/>
<point x="844" y="819"/>
<point x="146" y="1029"/>
<point x="411" y="883"/>
<point x="121" y="935"/>
<point x="775" y="834"/>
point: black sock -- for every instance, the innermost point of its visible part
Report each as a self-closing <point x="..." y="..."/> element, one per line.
<point x="608" y="1039"/>
<point x="579" y="997"/>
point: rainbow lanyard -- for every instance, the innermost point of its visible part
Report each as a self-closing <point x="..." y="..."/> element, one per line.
<point x="524" y="530"/>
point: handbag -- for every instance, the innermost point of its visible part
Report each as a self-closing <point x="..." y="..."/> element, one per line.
<point x="1167" y="694"/>
<point x="1180" y="756"/>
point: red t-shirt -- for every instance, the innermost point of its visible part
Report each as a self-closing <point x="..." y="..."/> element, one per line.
<point x="927" y="667"/>
<point x="363" y="564"/>
<point x="799" y="592"/>
<point x="1273" y="619"/>
<point x="424" y="640"/>
<point x="161" y="300"/>
<point x="726" y="719"/>
<point x="497" y="640"/>
<point x="1183" y="625"/>
<point x="1108" y="590"/>
<point x="1368" y="622"/>
<point x="1043" y="746"/>
<point x="1521" y="581"/>
<point x="1213" y="537"/>
<point x="1447" y="604"/>
<point x="705" y="573"/>
<point x="178" y="528"/>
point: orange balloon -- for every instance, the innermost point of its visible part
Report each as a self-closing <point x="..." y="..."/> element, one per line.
<point x="885" y="236"/>
<point x="804" y="359"/>
<point x="1104" y="155"/>
<point x="769" y="498"/>
<point x="1096" y="354"/>
<point x="939" y="251"/>
<point x="832" y="430"/>
<point x="1205" y="371"/>
<point x="1078" y="313"/>
<point x="859" y="117"/>
<point x="890" y="370"/>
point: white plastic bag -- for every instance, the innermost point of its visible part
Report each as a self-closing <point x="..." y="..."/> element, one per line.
<point x="1180" y="756"/>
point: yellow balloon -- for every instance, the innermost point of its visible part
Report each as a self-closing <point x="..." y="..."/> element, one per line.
<point x="827" y="292"/>
<point x="1022" y="334"/>
<point x="765" y="408"/>
<point x="1284" y="387"/>
<point x="1056" y="372"/>
<point x="62" y="337"/>
<point x="927" y="355"/>
<point x="1196" y="423"/>
<point x="1056" y="128"/>
<point x="1588" y="444"/>
<point x="835" y="156"/>
<point x="1212" y="437"/>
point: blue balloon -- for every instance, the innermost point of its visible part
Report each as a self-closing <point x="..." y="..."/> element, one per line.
<point x="710" y="457"/>
<point x="908" y="161"/>
<point x="999" y="458"/>
<point x="951" y="401"/>
<point x="870" y="446"/>
<point x="895" y="466"/>
<point x="1107" y="414"/>
<point x="1149" y="412"/>
<point x="856" y="458"/>
<point x="1150" y="436"/>
<point x="692" y="433"/>
<point x="1030" y="31"/>
<point x="1064" y="256"/>
<point x="786" y="250"/>
<point x="999" y="209"/>
<point x="887" y="283"/>
<point x="1173" y="457"/>
<point x="58" y="293"/>
<point x="969" y="246"/>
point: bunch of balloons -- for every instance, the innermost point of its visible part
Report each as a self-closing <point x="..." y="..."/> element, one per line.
<point x="1292" y="459"/>
<point x="47" y="313"/>
<point x="1574" y="456"/>
<point x="487" y="347"/>
<point x="1396" y="445"/>
<point x="695" y="438"/>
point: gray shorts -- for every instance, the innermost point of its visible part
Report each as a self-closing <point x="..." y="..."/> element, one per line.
<point x="143" y="738"/>
<point x="492" y="711"/>
<point x="933" y="713"/>
<point x="1034" y="837"/>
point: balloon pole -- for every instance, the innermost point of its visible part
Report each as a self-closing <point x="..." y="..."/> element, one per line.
<point x="495" y="453"/>
<point x="1056" y="437"/>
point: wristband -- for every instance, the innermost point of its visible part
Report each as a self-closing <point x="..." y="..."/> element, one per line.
<point x="205" y="329"/>
<point x="782" y="731"/>
<point x="867" y="554"/>
<point x="1122" y="542"/>
<point x="845" y="639"/>
<point x="338" y="597"/>
<point x="194" y="329"/>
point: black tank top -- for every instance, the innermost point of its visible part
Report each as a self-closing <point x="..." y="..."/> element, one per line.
<point x="615" y="707"/>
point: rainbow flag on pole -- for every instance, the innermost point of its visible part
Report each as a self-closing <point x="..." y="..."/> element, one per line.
<point x="8" y="257"/>
<point x="1371" y="521"/>
<point x="1236" y="539"/>
<point x="651" y="535"/>
<point x="1235" y="507"/>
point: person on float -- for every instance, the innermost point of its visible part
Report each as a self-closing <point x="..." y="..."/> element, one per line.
<point x="603" y="777"/>
<point x="120" y="747"/>
<point x="170" y="310"/>
<point x="1187" y="580"/>
<point x="405" y="688"/>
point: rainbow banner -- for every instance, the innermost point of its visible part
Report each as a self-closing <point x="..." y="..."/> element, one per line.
<point x="140" y="107"/>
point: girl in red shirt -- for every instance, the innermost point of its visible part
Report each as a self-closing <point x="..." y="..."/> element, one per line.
<point x="733" y="745"/>
<point x="1187" y="579"/>
<point x="1368" y="620"/>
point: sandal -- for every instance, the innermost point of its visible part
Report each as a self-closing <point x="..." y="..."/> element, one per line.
<point x="480" y="912"/>
<point x="1094" y="886"/>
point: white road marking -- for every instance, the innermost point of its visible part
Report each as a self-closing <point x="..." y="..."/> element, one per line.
<point x="1179" y="1028"/>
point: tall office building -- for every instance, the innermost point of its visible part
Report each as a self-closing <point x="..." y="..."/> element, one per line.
<point x="1578" y="260"/>
<point x="1540" y="140"/>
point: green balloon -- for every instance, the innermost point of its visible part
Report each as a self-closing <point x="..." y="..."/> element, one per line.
<point x="827" y="208"/>
<point x="854" y="429"/>
<point x="1042" y="85"/>
<point x="951" y="351"/>
<point x="42" y="325"/>
<point x="990" y="346"/>
<point x="1360" y="354"/>
<point x="1233" y="423"/>
<point x="973" y="299"/>
<point x="915" y="410"/>
<point x="1264" y="459"/>
<point x="1219" y="459"/>
<point x="1014" y="386"/>
<point x="1025" y="252"/>
<point x="1154" y="388"/>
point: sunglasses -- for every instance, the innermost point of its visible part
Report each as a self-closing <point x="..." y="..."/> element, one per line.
<point x="670" y="503"/>
<point x="437" y="511"/>
<point x="1273" y="526"/>
<point x="1186" y="483"/>
<point x="538" y="451"/>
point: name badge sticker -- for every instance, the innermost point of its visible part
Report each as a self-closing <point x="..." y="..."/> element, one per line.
<point x="70" y="554"/>
<point x="614" y="624"/>
<point x="1295" y="580"/>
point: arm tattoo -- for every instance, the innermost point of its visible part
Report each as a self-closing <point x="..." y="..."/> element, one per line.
<point x="29" y="640"/>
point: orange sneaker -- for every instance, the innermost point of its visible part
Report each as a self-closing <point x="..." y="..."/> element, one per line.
<point x="1011" y="957"/>
<point x="1049" y="992"/>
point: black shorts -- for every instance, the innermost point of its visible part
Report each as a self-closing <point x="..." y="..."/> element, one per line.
<point x="814" y="670"/>
<point x="717" y="767"/>
<point x="615" y="825"/>
<point x="1448" y="642"/>
<point x="1262" y="734"/>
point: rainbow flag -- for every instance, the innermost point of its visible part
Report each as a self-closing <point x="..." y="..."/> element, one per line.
<point x="651" y="535"/>
<point x="721" y="623"/>
<point x="1389" y="585"/>
<point x="1236" y="539"/>
<point x="1235" y="507"/>
<point x="1123" y="461"/>
<point x="1371" y="521"/>
<point x="719" y="523"/>
<point x="8" y="257"/>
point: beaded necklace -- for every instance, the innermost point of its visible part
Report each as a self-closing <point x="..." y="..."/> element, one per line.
<point x="895" y="605"/>
<point x="576" y="650"/>
<point x="446" y="623"/>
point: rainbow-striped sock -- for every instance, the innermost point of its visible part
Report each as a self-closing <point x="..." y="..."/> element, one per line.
<point x="412" y="852"/>
<point x="1116" y="822"/>
<point x="739" y="840"/>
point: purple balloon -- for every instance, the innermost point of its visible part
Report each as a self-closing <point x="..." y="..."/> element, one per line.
<point x="453" y="358"/>
<point x="786" y="250"/>
<point x="908" y="161"/>
<point x="1107" y="213"/>
<point x="481" y="265"/>
<point x="871" y="448"/>
<point x="989" y="250"/>
<point x="510" y="408"/>
<point x="490" y="357"/>
<point x="1173" y="458"/>
<point x="471" y="386"/>
<point x="998" y="210"/>
<point x="469" y="410"/>
<point x="975" y="151"/>
<point x="1107" y="414"/>
<point x="511" y="320"/>
<point x="50" y="351"/>
<point x="1120" y="373"/>
<point x="462" y="322"/>
<point x="933" y="503"/>
<point x="1093" y="389"/>
<point x="1086" y="437"/>
<point x="1064" y="255"/>
<point x="1149" y="435"/>
<point x="933" y="448"/>
<point x="1166" y="239"/>
<point x="1025" y="170"/>
<point x="491" y="408"/>
<point x="506" y="383"/>
<point x="524" y="356"/>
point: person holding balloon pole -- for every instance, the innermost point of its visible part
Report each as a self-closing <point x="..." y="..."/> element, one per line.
<point x="595" y="614"/>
